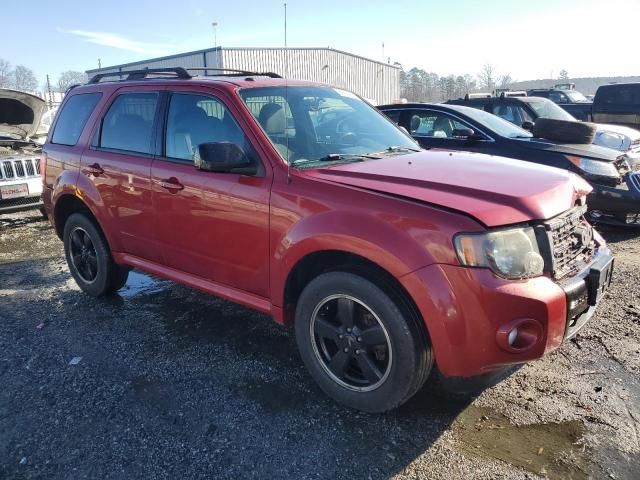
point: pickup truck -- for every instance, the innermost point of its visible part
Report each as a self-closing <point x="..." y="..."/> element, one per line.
<point x="302" y="201"/>
<point x="615" y="104"/>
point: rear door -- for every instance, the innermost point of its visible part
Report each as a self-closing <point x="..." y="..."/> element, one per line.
<point x="212" y="225"/>
<point x="119" y="164"/>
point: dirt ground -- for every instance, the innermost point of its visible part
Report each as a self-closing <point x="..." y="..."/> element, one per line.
<point x="164" y="382"/>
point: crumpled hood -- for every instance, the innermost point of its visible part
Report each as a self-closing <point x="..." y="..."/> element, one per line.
<point x="588" y="150"/>
<point x="495" y="190"/>
<point x="20" y="113"/>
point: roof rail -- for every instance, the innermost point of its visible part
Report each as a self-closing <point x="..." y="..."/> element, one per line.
<point x="179" y="72"/>
<point x="234" y="72"/>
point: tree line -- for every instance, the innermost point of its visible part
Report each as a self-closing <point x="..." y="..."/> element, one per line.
<point x="418" y="85"/>
<point x="23" y="78"/>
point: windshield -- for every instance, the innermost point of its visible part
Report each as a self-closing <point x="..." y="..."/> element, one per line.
<point x="496" y="124"/>
<point x="547" y="109"/>
<point x="313" y="124"/>
<point x="576" y="96"/>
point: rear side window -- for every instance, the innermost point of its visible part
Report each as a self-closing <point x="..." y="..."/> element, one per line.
<point x="619" y="95"/>
<point x="73" y="117"/>
<point x="128" y="124"/>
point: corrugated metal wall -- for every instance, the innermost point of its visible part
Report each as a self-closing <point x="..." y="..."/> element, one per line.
<point x="373" y="80"/>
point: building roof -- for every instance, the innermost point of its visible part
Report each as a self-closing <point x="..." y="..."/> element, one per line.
<point x="208" y="50"/>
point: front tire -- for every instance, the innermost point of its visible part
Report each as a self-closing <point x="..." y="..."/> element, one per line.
<point x="363" y="347"/>
<point x="89" y="258"/>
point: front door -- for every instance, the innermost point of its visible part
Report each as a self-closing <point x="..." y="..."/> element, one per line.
<point x="212" y="225"/>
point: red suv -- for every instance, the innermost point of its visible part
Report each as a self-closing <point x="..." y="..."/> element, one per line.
<point x="302" y="201"/>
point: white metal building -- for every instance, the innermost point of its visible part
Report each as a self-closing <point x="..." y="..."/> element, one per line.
<point x="376" y="81"/>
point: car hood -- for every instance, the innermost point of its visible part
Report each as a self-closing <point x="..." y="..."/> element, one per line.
<point x="494" y="190"/>
<point x="590" y="150"/>
<point x="618" y="137"/>
<point x="20" y="113"/>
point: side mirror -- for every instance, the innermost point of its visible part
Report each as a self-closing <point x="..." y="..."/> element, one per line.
<point x="404" y="130"/>
<point x="526" y="125"/>
<point x="464" y="134"/>
<point x="223" y="157"/>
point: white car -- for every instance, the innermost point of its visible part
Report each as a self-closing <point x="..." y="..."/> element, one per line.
<point x="20" y="183"/>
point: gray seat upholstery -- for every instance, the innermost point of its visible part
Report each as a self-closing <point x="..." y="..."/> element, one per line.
<point x="273" y="120"/>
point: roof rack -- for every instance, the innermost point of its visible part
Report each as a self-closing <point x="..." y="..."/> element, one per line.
<point x="234" y="72"/>
<point x="178" y="72"/>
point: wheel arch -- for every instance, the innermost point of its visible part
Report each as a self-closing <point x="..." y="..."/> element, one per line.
<point x="323" y="261"/>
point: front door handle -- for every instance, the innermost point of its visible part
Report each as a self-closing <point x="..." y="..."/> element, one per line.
<point x="95" y="169"/>
<point x="172" y="184"/>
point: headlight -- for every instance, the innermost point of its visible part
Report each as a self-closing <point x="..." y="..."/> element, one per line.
<point x="511" y="253"/>
<point x="594" y="167"/>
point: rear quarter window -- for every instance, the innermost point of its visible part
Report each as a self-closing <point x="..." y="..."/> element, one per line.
<point x="73" y="118"/>
<point x="619" y="95"/>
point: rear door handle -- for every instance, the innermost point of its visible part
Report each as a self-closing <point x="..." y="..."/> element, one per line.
<point x="172" y="184"/>
<point x="96" y="170"/>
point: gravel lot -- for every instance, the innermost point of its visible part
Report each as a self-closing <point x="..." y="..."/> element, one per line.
<point x="171" y="383"/>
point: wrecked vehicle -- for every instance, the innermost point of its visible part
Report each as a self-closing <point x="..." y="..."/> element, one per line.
<point x="525" y="112"/>
<point x="615" y="198"/>
<point x="20" y="183"/>
<point x="303" y="202"/>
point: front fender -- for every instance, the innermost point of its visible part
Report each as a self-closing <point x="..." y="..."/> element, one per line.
<point x="387" y="244"/>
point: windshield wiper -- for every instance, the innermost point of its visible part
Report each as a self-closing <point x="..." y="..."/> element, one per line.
<point x="394" y="148"/>
<point x="332" y="157"/>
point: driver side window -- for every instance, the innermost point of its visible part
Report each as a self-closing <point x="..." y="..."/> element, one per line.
<point x="196" y="119"/>
<point x="434" y="124"/>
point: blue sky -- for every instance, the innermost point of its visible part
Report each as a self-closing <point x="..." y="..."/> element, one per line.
<point x="526" y="39"/>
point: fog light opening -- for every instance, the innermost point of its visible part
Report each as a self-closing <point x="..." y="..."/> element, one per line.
<point x="519" y="335"/>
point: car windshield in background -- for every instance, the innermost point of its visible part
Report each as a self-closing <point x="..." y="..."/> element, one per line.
<point x="547" y="109"/>
<point x="576" y="96"/>
<point x="496" y="124"/>
<point x="319" y="124"/>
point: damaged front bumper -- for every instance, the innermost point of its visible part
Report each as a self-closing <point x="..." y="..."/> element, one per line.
<point x="619" y="205"/>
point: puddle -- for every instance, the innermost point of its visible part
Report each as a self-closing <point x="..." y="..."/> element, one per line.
<point x="551" y="449"/>
<point x="141" y="284"/>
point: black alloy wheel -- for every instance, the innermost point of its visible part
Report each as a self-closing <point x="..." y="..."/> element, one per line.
<point x="351" y="343"/>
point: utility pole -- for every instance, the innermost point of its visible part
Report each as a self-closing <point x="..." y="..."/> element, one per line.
<point x="99" y="63"/>
<point x="49" y="92"/>
<point x="215" y="34"/>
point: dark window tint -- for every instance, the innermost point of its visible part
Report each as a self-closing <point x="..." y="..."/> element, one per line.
<point x="557" y="97"/>
<point x="394" y="115"/>
<point x="128" y="124"/>
<point x="513" y="113"/>
<point x="196" y="119"/>
<point x="434" y="124"/>
<point x="619" y="95"/>
<point x="73" y="117"/>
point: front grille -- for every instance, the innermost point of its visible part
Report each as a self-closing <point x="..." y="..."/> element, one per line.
<point x="7" y="169"/>
<point x="11" y="169"/>
<point x="19" y="168"/>
<point x="570" y="243"/>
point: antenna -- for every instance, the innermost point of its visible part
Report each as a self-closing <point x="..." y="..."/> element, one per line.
<point x="286" y="91"/>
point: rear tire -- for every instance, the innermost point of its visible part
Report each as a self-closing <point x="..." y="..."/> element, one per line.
<point x="564" y="131"/>
<point x="364" y="349"/>
<point x="89" y="258"/>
